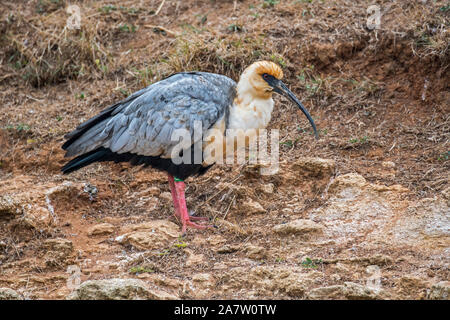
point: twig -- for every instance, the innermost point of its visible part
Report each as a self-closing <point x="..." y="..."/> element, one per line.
<point x="229" y="206"/>
<point x="159" y="8"/>
<point x="7" y="76"/>
<point x="393" y="145"/>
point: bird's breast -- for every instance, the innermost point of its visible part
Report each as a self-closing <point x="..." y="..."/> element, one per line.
<point x="255" y="114"/>
<point x="224" y="139"/>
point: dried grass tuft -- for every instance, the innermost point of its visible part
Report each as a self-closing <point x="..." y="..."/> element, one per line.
<point x="45" y="51"/>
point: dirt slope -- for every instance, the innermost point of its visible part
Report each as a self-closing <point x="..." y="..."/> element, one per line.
<point x="361" y="213"/>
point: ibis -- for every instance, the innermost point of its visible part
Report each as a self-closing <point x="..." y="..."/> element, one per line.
<point x="139" y="128"/>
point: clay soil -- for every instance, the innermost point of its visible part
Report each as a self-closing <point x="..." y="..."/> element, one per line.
<point x="380" y="99"/>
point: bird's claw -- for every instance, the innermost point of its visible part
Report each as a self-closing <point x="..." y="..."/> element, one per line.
<point x="189" y="223"/>
<point x="193" y="217"/>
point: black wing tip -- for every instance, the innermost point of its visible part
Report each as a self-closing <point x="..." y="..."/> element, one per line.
<point x="66" y="145"/>
<point x="84" y="160"/>
<point x="66" y="170"/>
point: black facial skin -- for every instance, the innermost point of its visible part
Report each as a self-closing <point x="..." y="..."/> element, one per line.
<point x="279" y="87"/>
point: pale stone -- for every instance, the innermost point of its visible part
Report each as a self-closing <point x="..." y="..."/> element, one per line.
<point x="315" y="167"/>
<point x="101" y="229"/>
<point x="117" y="289"/>
<point x="252" y="207"/>
<point x="9" y="294"/>
<point x="150" y="235"/>
<point x="255" y="252"/>
<point x="298" y="227"/>
<point x="267" y="188"/>
<point x="440" y="291"/>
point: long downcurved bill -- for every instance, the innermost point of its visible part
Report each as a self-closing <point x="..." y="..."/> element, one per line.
<point x="281" y="88"/>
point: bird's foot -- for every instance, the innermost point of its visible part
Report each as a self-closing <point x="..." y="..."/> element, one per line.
<point x="193" y="217"/>
<point x="177" y="188"/>
<point x="188" y="223"/>
<point x="187" y="220"/>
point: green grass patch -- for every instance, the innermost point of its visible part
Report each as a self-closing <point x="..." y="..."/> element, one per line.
<point x="311" y="263"/>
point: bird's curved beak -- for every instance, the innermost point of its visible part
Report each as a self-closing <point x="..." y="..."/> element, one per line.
<point x="281" y="88"/>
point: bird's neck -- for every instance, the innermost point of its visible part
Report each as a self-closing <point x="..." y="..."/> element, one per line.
<point x="251" y="109"/>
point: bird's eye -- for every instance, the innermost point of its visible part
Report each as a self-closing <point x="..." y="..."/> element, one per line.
<point x="266" y="76"/>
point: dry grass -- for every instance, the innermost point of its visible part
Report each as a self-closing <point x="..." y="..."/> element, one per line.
<point x="45" y="51"/>
<point x="42" y="50"/>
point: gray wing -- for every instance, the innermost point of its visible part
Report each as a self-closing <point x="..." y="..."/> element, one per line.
<point x="143" y="123"/>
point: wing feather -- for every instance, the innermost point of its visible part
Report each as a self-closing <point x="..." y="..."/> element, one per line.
<point x="143" y="123"/>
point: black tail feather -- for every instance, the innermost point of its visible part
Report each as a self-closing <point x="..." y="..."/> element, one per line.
<point x="84" y="160"/>
<point x="181" y="171"/>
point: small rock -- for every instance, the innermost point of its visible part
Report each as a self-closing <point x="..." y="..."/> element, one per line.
<point x="340" y="267"/>
<point x="202" y="277"/>
<point x="149" y="235"/>
<point x="349" y="290"/>
<point x="91" y="190"/>
<point x="335" y="277"/>
<point x="388" y="164"/>
<point x="267" y="188"/>
<point x="440" y="291"/>
<point x="117" y="289"/>
<point x="379" y="260"/>
<point x="203" y="280"/>
<point x="252" y="207"/>
<point x="219" y="266"/>
<point x="194" y="259"/>
<point x="255" y="252"/>
<point x="9" y="294"/>
<point x="101" y="229"/>
<point x="227" y="249"/>
<point x="394" y="188"/>
<point x="330" y="292"/>
<point x="350" y="180"/>
<point x="298" y="227"/>
<point x="166" y="196"/>
<point x="154" y="191"/>
<point x="166" y="282"/>
<point x="315" y="167"/>
<point x="295" y="284"/>
<point x="9" y="207"/>
<point x="294" y="288"/>
<point x="354" y="291"/>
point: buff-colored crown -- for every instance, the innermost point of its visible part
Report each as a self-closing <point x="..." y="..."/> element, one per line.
<point x="268" y="67"/>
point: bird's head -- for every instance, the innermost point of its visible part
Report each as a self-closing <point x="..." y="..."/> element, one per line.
<point x="263" y="78"/>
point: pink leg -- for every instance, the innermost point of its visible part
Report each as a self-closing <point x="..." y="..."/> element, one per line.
<point x="184" y="215"/>
<point x="176" y="202"/>
<point x="174" y="196"/>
